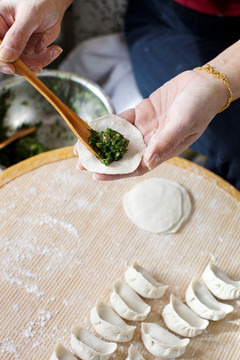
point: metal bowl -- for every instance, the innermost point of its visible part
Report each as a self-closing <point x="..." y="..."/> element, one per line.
<point x="21" y="105"/>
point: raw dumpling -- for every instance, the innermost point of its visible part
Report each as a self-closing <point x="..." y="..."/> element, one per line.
<point x="220" y="284"/>
<point x="109" y="324"/>
<point x="61" y="353"/>
<point x="133" y="354"/>
<point x="127" y="303"/>
<point x="89" y="347"/>
<point x="143" y="283"/>
<point x="182" y="320"/>
<point x="157" y="205"/>
<point x="161" y="343"/>
<point x="129" y="161"/>
<point x="200" y="300"/>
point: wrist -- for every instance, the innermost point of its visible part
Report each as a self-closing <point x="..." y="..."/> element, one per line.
<point x="218" y="75"/>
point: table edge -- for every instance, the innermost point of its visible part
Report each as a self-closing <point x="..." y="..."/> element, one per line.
<point x="48" y="157"/>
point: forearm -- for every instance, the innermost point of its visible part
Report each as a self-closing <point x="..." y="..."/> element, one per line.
<point x="228" y="64"/>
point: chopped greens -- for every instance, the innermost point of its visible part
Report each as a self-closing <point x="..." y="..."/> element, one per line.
<point x="110" y="145"/>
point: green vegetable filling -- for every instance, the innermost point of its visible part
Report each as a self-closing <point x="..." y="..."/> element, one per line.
<point x="110" y="145"/>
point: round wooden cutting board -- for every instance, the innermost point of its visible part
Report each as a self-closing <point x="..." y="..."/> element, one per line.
<point x="65" y="239"/>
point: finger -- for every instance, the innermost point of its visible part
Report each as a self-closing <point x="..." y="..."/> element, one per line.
<point x="52" y="33"/>
<point x="36" y="44"/>
<point x="80" y="166"/>
<point x="161" y="154"/>
<point x="38" y="61"/>
<point x="128" y="115"/>
<point x="16" y="38"/>
<point x="75" y="149"/>
<point x="3" y="26"/>
<point x="7" y="68"/>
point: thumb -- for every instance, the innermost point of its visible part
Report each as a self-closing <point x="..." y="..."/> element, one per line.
<point x="15" y="39"/>
<point x="161" y="144"/>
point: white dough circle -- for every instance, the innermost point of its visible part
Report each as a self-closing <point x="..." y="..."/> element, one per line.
<point x="157" y="205"/>
<point x="129" y="161"/>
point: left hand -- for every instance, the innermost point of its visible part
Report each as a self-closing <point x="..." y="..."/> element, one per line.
<point x="173" y="117"/>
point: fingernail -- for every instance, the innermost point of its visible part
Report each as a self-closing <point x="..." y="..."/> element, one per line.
<point x="55" y="53"/>
<point x="153" y="161"/>
<point x="75" y="152"/>
<point x="8" y="71"/>
<point x="7" y="53"/>
<point x="78" y="167"/>
<point x="94" y="176"/>
<point x="36" y="69"/>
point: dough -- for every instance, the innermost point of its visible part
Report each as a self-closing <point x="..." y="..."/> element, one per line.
<point x="200" y="300"/>
<point x="109" y="324"/>
<point x="220" y="284"/>
<point x="133" y="354"/>
<point x="61" y="353"/>
<point x="157" y="205"/>
<point x="143" y="283"/>
<point x="89" y="347"/>
<point x="129" y="161"/>
<point x="161" y="343"/>
<point x="127" y="303"/>
<point x="182" y="320"/>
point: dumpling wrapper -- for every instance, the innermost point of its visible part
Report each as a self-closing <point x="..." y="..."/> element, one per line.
<point x="109" y="324"/>
<point x="134" y="354"/>
<point x="144" y="283"/>
<point x="89" y="347"/>
<point x="61" y="353"/>
<point x="186" y="209"/>
<point x="204" y="304"/>
<point x="220" y="284"/>
<point x="161" y="343"/>
<point x="182" y="320"/>
<point x="157" y="205"/>
<point x="127" y="303"/>
<point x="129" y="161"/>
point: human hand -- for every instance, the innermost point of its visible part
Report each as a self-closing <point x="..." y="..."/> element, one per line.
<point x="27" y="28"/>
<point x="173" y="117"/>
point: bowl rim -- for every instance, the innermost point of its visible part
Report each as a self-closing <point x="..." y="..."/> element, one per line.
<point x="95" y="88"/>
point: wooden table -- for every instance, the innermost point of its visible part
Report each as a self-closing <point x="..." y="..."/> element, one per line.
<point x="65" y="239"/>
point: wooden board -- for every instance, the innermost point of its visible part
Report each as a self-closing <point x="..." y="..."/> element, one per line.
<point x="65" y="239"/>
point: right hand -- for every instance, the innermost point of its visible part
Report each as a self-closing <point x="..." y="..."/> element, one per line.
<point x="27" y="28"/>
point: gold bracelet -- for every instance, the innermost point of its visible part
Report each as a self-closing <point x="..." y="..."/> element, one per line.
<point x="209" y="69"/>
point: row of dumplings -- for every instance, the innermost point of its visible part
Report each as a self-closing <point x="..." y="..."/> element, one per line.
<point x="127" y="304"/>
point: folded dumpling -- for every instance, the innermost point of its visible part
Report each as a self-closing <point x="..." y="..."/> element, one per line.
<point x="220" y="284"/>
<point x="161" y="343"/>
<point x="109" y="324"/>
<point x="144" y="283"/>
<point x="127" y="303"/>
<point x="61" y="353"/>
<point x="200" y="300"/>
<point x="89" y="347"/>
<point x="182" y="320"/>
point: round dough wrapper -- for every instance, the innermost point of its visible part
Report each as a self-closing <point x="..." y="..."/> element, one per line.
<point x="129" y="161"/>
<point x="157" y="205"/>
<point x="186" y="210"/>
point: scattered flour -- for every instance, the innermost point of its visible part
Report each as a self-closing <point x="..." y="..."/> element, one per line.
<point x="30" y="288"/>
<point x="8" y="347"/>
